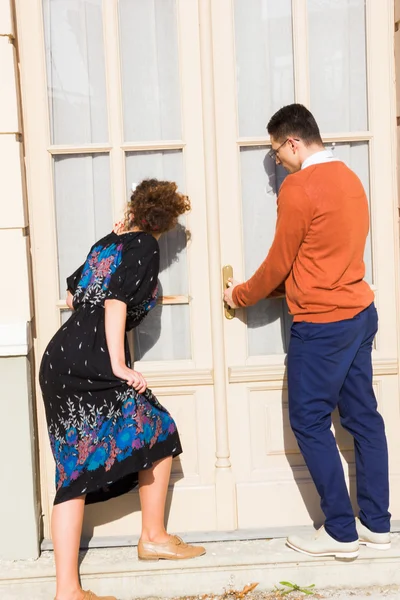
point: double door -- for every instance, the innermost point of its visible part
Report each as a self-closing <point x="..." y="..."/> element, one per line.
<point x="116" y="91"/>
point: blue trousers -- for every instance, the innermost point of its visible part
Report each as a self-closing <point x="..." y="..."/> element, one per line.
<point x="329" y="366"/>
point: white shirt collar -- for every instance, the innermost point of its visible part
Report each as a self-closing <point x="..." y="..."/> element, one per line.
<point x="318" y="158"/>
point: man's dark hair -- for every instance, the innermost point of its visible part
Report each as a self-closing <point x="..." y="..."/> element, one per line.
<point x="294" y="120"/>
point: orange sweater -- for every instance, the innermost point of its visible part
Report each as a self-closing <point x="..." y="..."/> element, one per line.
<point x="318" y="247"/>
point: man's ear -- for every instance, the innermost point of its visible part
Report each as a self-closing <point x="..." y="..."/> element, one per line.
<point x="294" y="144"/>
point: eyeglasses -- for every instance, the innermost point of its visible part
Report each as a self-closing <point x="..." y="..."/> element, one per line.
<point x="273" y="153"/>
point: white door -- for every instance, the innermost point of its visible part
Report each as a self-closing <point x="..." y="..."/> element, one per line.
<point x="111" y="95"/>
<point x="336" y="58"/>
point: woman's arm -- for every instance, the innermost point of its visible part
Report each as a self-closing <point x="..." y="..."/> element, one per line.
<point x="115" y="320"/>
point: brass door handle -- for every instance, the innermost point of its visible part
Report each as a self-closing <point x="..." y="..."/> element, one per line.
<point x="227" y="273"/>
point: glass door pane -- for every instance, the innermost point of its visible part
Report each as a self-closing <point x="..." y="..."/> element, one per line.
<point x="75" y="71"/>
<point x="268" y="322"/>
<point x="264" y="61"/>
<point x="165" y="334"/>
<point x="83" y="208"/>
<point x="337" y="58"/>
<point x="356" y="156"/>
<point x="264" y="82"/>
<point x="164" y="165"/>
<point x="150" y="70"/>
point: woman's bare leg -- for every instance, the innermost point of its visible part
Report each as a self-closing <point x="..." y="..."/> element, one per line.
<point x="66" y="527"/>
<point x="153" y="487"/>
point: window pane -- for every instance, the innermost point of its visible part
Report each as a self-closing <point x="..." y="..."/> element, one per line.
<point x="356" y="156"/>
<point x="65" y="315"/>
<point x="164" y="334"/>
<point x="75" y="71"/>
<point x="338" y="74"/>
<point x="83" y="208"/>
<point x="166" y="166"/>
<point x="264" y="61"/>
<point x="150" y="70"/>
<point x="268" y="322"/>
<point x="161" y="164"/>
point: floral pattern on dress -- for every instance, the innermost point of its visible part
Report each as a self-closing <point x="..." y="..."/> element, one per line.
<point x="88" y="438"/>
<point x="100" y="265"/>
<point x="136" y="314"/>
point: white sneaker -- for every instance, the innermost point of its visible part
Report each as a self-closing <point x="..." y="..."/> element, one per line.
<point x="366" y="537"/>
<point x="322" y="544"/>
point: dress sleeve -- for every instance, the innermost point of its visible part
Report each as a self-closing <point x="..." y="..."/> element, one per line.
<point x="73" y="280"/>
<point x="136" y="277"/>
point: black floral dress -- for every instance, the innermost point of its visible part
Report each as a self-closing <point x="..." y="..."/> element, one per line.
<point x="102" y="432"/>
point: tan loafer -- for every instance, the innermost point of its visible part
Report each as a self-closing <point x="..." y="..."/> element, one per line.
<point x="174" y="549"/>
<point x="88" y="595"/>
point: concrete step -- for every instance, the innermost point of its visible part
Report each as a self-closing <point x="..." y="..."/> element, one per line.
<point x="229" y="564"/>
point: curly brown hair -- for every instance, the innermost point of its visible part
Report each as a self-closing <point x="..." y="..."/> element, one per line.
<point x="155" y="206"/>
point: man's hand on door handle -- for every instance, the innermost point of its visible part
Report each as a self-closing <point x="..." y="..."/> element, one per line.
<point x="228" y="293"/>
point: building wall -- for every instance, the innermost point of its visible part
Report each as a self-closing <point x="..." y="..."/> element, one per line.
<point x="397" y="62"/>
<point x="18" y="473"/>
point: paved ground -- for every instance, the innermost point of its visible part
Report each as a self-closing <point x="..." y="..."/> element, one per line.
<point x="372" y="593"/>
<point x="222" y="574"/>
<point x="381" y="593"/>
<point x="389" y="593"/>
<point x="365" y="594"/>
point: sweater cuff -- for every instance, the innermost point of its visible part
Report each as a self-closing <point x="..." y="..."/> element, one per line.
<point x="235" y="296"/>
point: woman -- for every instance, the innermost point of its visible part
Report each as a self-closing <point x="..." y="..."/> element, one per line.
<point x="107" y="431"/>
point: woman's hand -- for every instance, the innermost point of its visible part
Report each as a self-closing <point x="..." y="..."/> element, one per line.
<point x="119" y="227"/>
<point x="115" y="319"/>
<point x="132" y="378"/>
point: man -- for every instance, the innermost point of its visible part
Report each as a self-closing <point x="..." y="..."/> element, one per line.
<point x="317" y="252"/>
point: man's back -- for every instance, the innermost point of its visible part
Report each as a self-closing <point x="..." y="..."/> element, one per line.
<point x="326" y="281"/>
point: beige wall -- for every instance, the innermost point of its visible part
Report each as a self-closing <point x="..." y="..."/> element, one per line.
<point x="397" y="62"/>
<point x="19" y="510"/>
<point x="19" y="536"/>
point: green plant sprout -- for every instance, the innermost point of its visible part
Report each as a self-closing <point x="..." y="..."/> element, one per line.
<point x="293" y="587"/>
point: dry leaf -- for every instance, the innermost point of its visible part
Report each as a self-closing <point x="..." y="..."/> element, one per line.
<point x="247" y="589"/>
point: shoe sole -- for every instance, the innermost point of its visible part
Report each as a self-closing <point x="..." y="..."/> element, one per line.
<point x="322" y="554"/>
<point x="375" y="546"/>
<point x="156" y="558"/>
